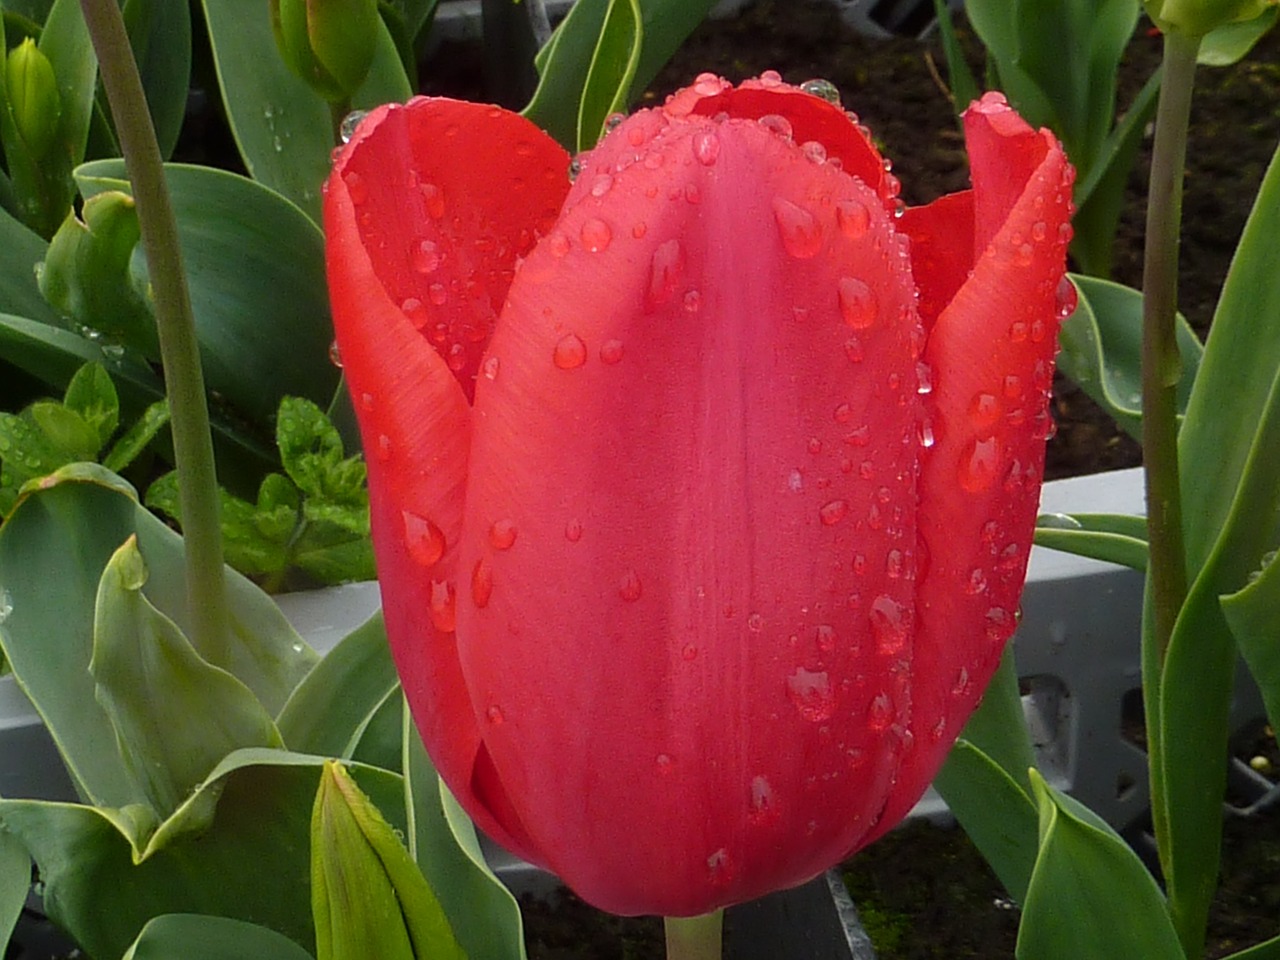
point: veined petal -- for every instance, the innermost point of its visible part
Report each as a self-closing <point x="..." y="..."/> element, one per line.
<point x="692" y="492"/>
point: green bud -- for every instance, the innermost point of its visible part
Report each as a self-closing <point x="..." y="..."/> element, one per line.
<point x="33" y="97"/>
<point x="1195" y="18"/>
<point x="328" y="43"/>
<point x="368" y="896"/>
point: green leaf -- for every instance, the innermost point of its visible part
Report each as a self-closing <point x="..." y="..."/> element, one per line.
<point x="1101" y="350"/>
<point x="88" y="274"/>
<point x="485" y="916"/>
<point x="612" y="69"/>
<point x="174" y="715"/>
<point x="135" y="439"/>
<point x="262" y="319"/>
<point x="1115" y="538"/>
<point x="1252" y="614"/>
<point x="1269" y="950"/>
<point x="368" y="896"/>
<point x="92" y="395"/>
<point x="65" y="41"/>
<point x="198" y="937"/>
<point x="964" y="88"/>
<point x="66" y="432"/>
<point x="160" y="34"/>
<point x="1231" y="42"/>
<point x="250" y="863"/>
<point x="283" y="129"/>
<point x="1090" y="895"/>
<point x="15" y="883"/>
<point x="331" y="708"/>
<point x="24" y="249"/>
<point x="984" y="781"/>
<point x="311" y="452"/>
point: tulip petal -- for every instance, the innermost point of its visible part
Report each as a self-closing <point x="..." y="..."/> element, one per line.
<point x="992" y="350"/>
<point x="941" y="250"/>
<point x="450" y="195"/>
<point x="706" y="396"/>
<point x="412" y="406"/>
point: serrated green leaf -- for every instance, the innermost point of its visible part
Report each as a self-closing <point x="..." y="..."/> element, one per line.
<point x="310" y="448"/>
<point x="135" y="439"/>
<point x="1115" y="538"/>
<point x="1072" y="908"/>
<point x="194" y="936"/>
<point x="92" y="395"/>
<point x="174" y="715"/>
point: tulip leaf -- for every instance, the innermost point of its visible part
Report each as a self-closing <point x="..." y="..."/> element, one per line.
<point x="250" y="862"/>
<point x="613" y="67"/>
<point x="284" y="130"/>
<point x="160" y="34"/>
<point x="1114" y="538"/>
<point x="1101" y="350"/>
<point x="65" y="41"/>
<point x="1072" y="909"/>
<point x="565" y="63"/>
<point x="485" y="916"/>
<point x="199" y="937"/>
<point x="1231" y="42"/>
<point x="15" y="882"/>
<point x="368" y="896"/>
<point x="262" y="319"/>
<point x="134" y="440"/>
<point x="19" y="293"/>
<point x="1267" y="950"/>
<point x="1252" y="614"/>
<point x="330" y="710"/>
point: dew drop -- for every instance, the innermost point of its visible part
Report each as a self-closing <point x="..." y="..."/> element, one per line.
<point x="490" y="368"/>
<point x="611" y="352"/>
<point x="1012" y="387"/>
<point x="425" y="257"/>
<point x="416" y="311"/>
<point x="706" y="147"/>
<point x="777" y="125"/>
<point x="443" y="606"/>
<point x="822" y="89"/>
<point x="858" y="303"/>
<point x="335" y="356"/>
<point x="437" y="294"/>
<point x="853" y="218"/>
<point x="383" y="449"/>
<point x="481" y="583"/>
<point x="799" y="230"/>
<point x="832" y="512"/>
<point x="494" y="715"/>
<point x="824" y="635"/>
<point x="663" y="762"/>
<point x="629" y="587"/>
<point x="980" y="465"/>
<point x="814" y="151"/>
<point x="938" y="729"/>
<point x="347" y="129"/>
<point x="1066" y="298"/>
<point x="692" y="301"/>
<point x="999" y="624"/>
<point x="434" y="199"/>
<point x="880" y="712"/>
<point x="755" y="622"/>
<point x="811" y="694"/>
<point x="573" y="530"/>
<point x="601" y="185"/>
<point x="558" y="244"/>
<point x="613" y="121"/>
<point x="689" y="652"/>
<point x="763" y="807"/>
<point x="770" y="79"/>
<point x="570" y="352"/>
<point x="720" y="868"/>
<point x="1018" y="331"/>
<point x="858" y="436"/>
<point x="356" y="187"/>
<point x="890" y="622"/>
<point x="502" y="535"/>
<point x="424" y="539"/>
<point x="924" y="379"/>
<point x="575" y="168"/>
<point x="977" y="582"/>
<point x="596" y="235"/>
<point x="893" y="564"/>
<point x="960" y="686"/>
<point x="814" y="446"/>
<point x="665" y="273"/>
<point x="639" y="229"/>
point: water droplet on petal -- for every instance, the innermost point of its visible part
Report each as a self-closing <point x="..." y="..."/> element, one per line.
<point x="596" y="235"/>
<point x="629" y="587"/>
<point x="490" y="368"/>
<point x="880" y="712"/>
<point x="613" y="121"/>
<point x="575" y="168"/>
<point x="443" y="606"/>
<point x="1066" y="298"/>
<point x="858" y="304"/>
<point x="823" y="89"/>
<point x="814" y="151"/>
<point x="980" y="465"/>
<point x="799" y="230"/>
<point x="977" y="582"/>
<point x="611" y="352"/>
<point x="481" y="583"/>
<point x="999" y="624"/>
<point x="763" y="806"/>
<point x="770" y="79"/>
<point x="984" y="411"/>
<point x="335" y="356"/>
<point x="570" y="352"/>
<point x="437" y="294"/>
<point x="494" y="715"/>
<point x="824" y="636"/>
<point x="776" y="124"/>
<point x="416" y="311"/>
<point x="890" y="622"/>
<point x="601" y="185"/>
<point x="502" y="535"/>
<point x="706" y="147"/>
<point x="434" y="200"/>
<point x="755" y="622"/>
<point x="811" y="694"/>
<point x="853" y="218"/>
<point x="666" y="272"/>
<point x="961" y="684"/>
<point x="425" y="256"/>
<point x="347" y="129"/>
<point x="424" y="539"/>
<point x="573" y="530"/>
<point x="832" y="512"/>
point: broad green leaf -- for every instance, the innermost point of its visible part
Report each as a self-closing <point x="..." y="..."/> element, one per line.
<point x="65" y="41"/>
<point x="565" y="62"/>
<point x="250" y="863"/>
<point x="19" y="293"/>
<point x="93" y="396"/>
<point x="68" y="433"/>
<point x="15" y="883"/>
<point x="1101" y="350"/>
<point x="1090" y="895"/>
<point x="368" y="896"/>
<point x="88" y="277"/>
<point x="1231" y="42"/>
<point x="174" y="715"/>
<point x="284" y="130"/>
<point x="1115" y="538"/>
<point x="135" y="439"/>
<point x="1269" y="950"/>
<point x="613" y="67"/>
<point x="485" y="916"/>
<point x="160" y="34"/>
<point x="262" y="318"/>
<point x="984" y="781"/>
<point x="331" y="708"/>
<point x="193" y="936"/>
<point x="1252" y="614"/>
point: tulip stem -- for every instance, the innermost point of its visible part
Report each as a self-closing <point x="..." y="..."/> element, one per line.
<point x="694" y="938"/>
<point x="179" y="348"/>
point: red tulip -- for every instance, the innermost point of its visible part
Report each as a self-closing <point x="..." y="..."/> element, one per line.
<point x="702" y="488"/>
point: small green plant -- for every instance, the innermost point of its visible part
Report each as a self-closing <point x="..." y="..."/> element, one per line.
<point x="312" y="519"/>
<point x="50" y="434"/>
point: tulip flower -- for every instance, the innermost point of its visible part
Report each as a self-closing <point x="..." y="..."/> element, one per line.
<point x="702" y="486"/>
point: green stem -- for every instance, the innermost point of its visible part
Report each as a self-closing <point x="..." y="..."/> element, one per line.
<point x="694" y="938"/>
<point x="1161" y="362"/>
<point x="179" y="350"/>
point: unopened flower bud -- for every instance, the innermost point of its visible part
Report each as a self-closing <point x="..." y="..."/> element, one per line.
<point x="33" y="97"/>
<point x="1195" y="18"/>
<point x="328" y="43"/>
